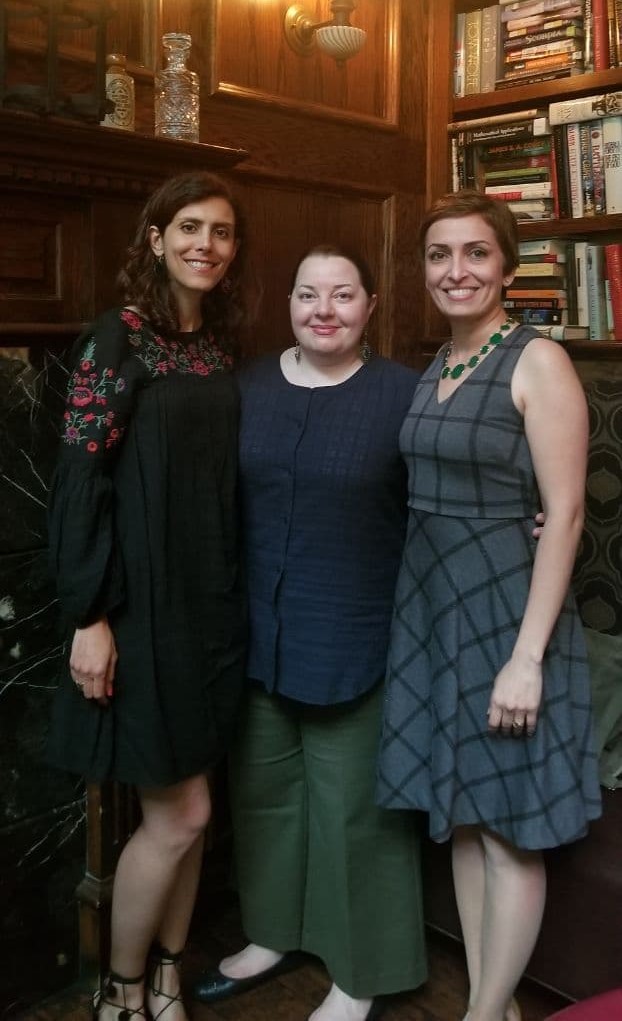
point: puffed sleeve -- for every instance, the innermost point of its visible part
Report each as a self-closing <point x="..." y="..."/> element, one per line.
<point x="85" y="558"/>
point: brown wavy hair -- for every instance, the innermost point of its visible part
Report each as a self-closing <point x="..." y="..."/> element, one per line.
<point x="227" y="310"/>
<point x="494" y="212"/>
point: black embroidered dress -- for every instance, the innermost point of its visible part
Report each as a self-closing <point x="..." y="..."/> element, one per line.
<point x="143" y="528"/>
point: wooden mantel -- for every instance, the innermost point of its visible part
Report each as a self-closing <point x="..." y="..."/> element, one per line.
<point x="71" y="193"/>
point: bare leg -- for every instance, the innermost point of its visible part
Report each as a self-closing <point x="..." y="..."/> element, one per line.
<point x="514" y="895"/>
<point x="338" y="1006"/>
<point x="469" y="883"/>
<point x="160" y="861"/>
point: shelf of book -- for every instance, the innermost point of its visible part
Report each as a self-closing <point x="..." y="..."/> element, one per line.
<point x="541" y="93"/>
<point x="445" y="108"/>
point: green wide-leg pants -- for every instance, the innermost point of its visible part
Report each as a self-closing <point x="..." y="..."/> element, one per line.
<point x="319" y="867"/>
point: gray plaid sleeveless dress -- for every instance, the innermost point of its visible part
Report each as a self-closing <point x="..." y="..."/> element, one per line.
<point x="461" y="592"/>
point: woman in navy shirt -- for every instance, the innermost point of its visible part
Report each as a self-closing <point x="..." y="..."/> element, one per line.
<point x="319" y="867"/>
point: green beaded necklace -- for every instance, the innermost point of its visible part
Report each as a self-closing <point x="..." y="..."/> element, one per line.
<point x="492" y="341"/>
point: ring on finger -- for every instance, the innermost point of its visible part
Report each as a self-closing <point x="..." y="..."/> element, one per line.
<point x="518" y="724"/>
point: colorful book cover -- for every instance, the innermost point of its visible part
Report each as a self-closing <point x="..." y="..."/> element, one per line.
<point x="613" y="260"/>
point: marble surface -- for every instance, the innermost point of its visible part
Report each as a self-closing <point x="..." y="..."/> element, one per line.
<point x="42" y="811"/>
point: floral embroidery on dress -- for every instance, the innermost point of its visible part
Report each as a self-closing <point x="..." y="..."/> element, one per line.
<point x="160" y="356"/>
<point x="87" y="404"/>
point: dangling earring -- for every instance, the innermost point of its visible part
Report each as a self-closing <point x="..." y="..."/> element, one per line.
<point x="365" y="349"/>
<point x="160" y="264"/>
<point x="297" y="351"/>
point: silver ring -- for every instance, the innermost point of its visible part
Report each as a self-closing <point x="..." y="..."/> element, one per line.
<point x="518" y="725"/>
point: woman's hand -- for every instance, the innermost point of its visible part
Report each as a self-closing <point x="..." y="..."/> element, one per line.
<point x="515" y="698"/>
<point x="540" y="521"/>
<point x="93" y="660"/>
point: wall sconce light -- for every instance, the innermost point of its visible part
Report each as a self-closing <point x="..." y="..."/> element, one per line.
<point x="337" y="37"/>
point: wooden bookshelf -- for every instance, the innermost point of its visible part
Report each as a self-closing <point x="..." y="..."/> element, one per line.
<point x="443" y="108"/>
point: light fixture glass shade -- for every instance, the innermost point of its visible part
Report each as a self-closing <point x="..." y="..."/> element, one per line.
<point x="340" y="41"/>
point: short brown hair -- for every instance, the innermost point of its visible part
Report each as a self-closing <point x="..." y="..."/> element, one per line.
<point x="494" y="212"/>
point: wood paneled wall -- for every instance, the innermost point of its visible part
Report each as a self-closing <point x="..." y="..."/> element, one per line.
<point x="335" y="153"/>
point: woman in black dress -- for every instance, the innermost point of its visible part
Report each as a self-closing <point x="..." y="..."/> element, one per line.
<point x="143" y="537"/>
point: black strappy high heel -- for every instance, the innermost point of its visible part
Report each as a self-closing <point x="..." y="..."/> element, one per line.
<point x="109" y="988"/>
<point x="160" y="958"/>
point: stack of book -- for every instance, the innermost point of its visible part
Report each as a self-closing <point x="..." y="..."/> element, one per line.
<point x="587" y="134"/>
<point x="542" y="40"/>
<point x="509" y="156"/>
<point x="514" y="42"/>
<point x="538" y="294"/>
<point x="568" y="290"/>
<point x="565" y="161"/>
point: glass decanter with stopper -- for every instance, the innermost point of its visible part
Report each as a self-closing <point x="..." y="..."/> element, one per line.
<point x="177" y="91"/>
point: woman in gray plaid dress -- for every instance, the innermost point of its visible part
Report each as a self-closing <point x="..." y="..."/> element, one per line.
<point x="487" y="717"/>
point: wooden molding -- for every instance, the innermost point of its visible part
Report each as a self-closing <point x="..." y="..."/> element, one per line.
<point x="64" y="155"/>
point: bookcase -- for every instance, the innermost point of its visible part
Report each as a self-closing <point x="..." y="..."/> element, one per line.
<point x="444" y="108"/>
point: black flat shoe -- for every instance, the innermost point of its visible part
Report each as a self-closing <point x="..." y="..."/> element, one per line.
<point x="213" y="985"/>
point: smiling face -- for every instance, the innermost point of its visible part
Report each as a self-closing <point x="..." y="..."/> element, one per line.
<point x="198" y="246"/>
<point x="464" y="268"/>
<point x="329" y="307"/>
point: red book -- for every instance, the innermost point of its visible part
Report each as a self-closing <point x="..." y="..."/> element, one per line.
<point x="600" y="35"/>
<point x="613" y="256"/>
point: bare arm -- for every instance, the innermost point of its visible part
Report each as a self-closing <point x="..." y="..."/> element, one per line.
<point x="547" y="391"/>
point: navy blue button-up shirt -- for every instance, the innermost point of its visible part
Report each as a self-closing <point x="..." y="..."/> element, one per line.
<point x="324" y="509"/>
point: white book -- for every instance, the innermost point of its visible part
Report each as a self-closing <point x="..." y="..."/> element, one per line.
<point x="573" y="145"/>
<point x="612" y="162"/>
<point x="580" y="263"/>
<point x="498" y="118"/>
<point x="585" y="108"/>
<point x="543" y="246"/>
<point x="514" y="192"/>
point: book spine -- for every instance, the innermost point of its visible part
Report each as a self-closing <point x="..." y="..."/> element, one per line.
<point x="612" y="33"/>
<point x="586" y="108"/>
<point x="537" y="148"/>
<point x="553" y="61"/>
<point x="571" y="283"/>
<point x="531" y="10"/>
<point x="472" y="52"/>
<point x="559" y="171"/>
<point x="573" y="146"/>
<point x="513" y="193"/>
<point x="541" y="38"/>
<point x="517" y="175"/>
<point x="597" y="308"/>
<point x="598" y="170"/>
<point x="490" y="48"/>
<point x="613" y="259"/>
<point x="580" y="274"/>
<point x="539" y="316"/>
<point x="534" y="303"/>
<point x="608" y="306"/>
<point x="497" y="118"/>
<point x="540" y="269"/>
<point x="544" y="50"/>
<point x="587" y="179"/>
<point x="618" y="30"/>
<point x="514" y="131"/>
<point x="588" y="54"/>
<point x="459" y="55"/>
<point x="536" y="77"/>
<point x="612" y="162"/>
<point x="600" y="35"/>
